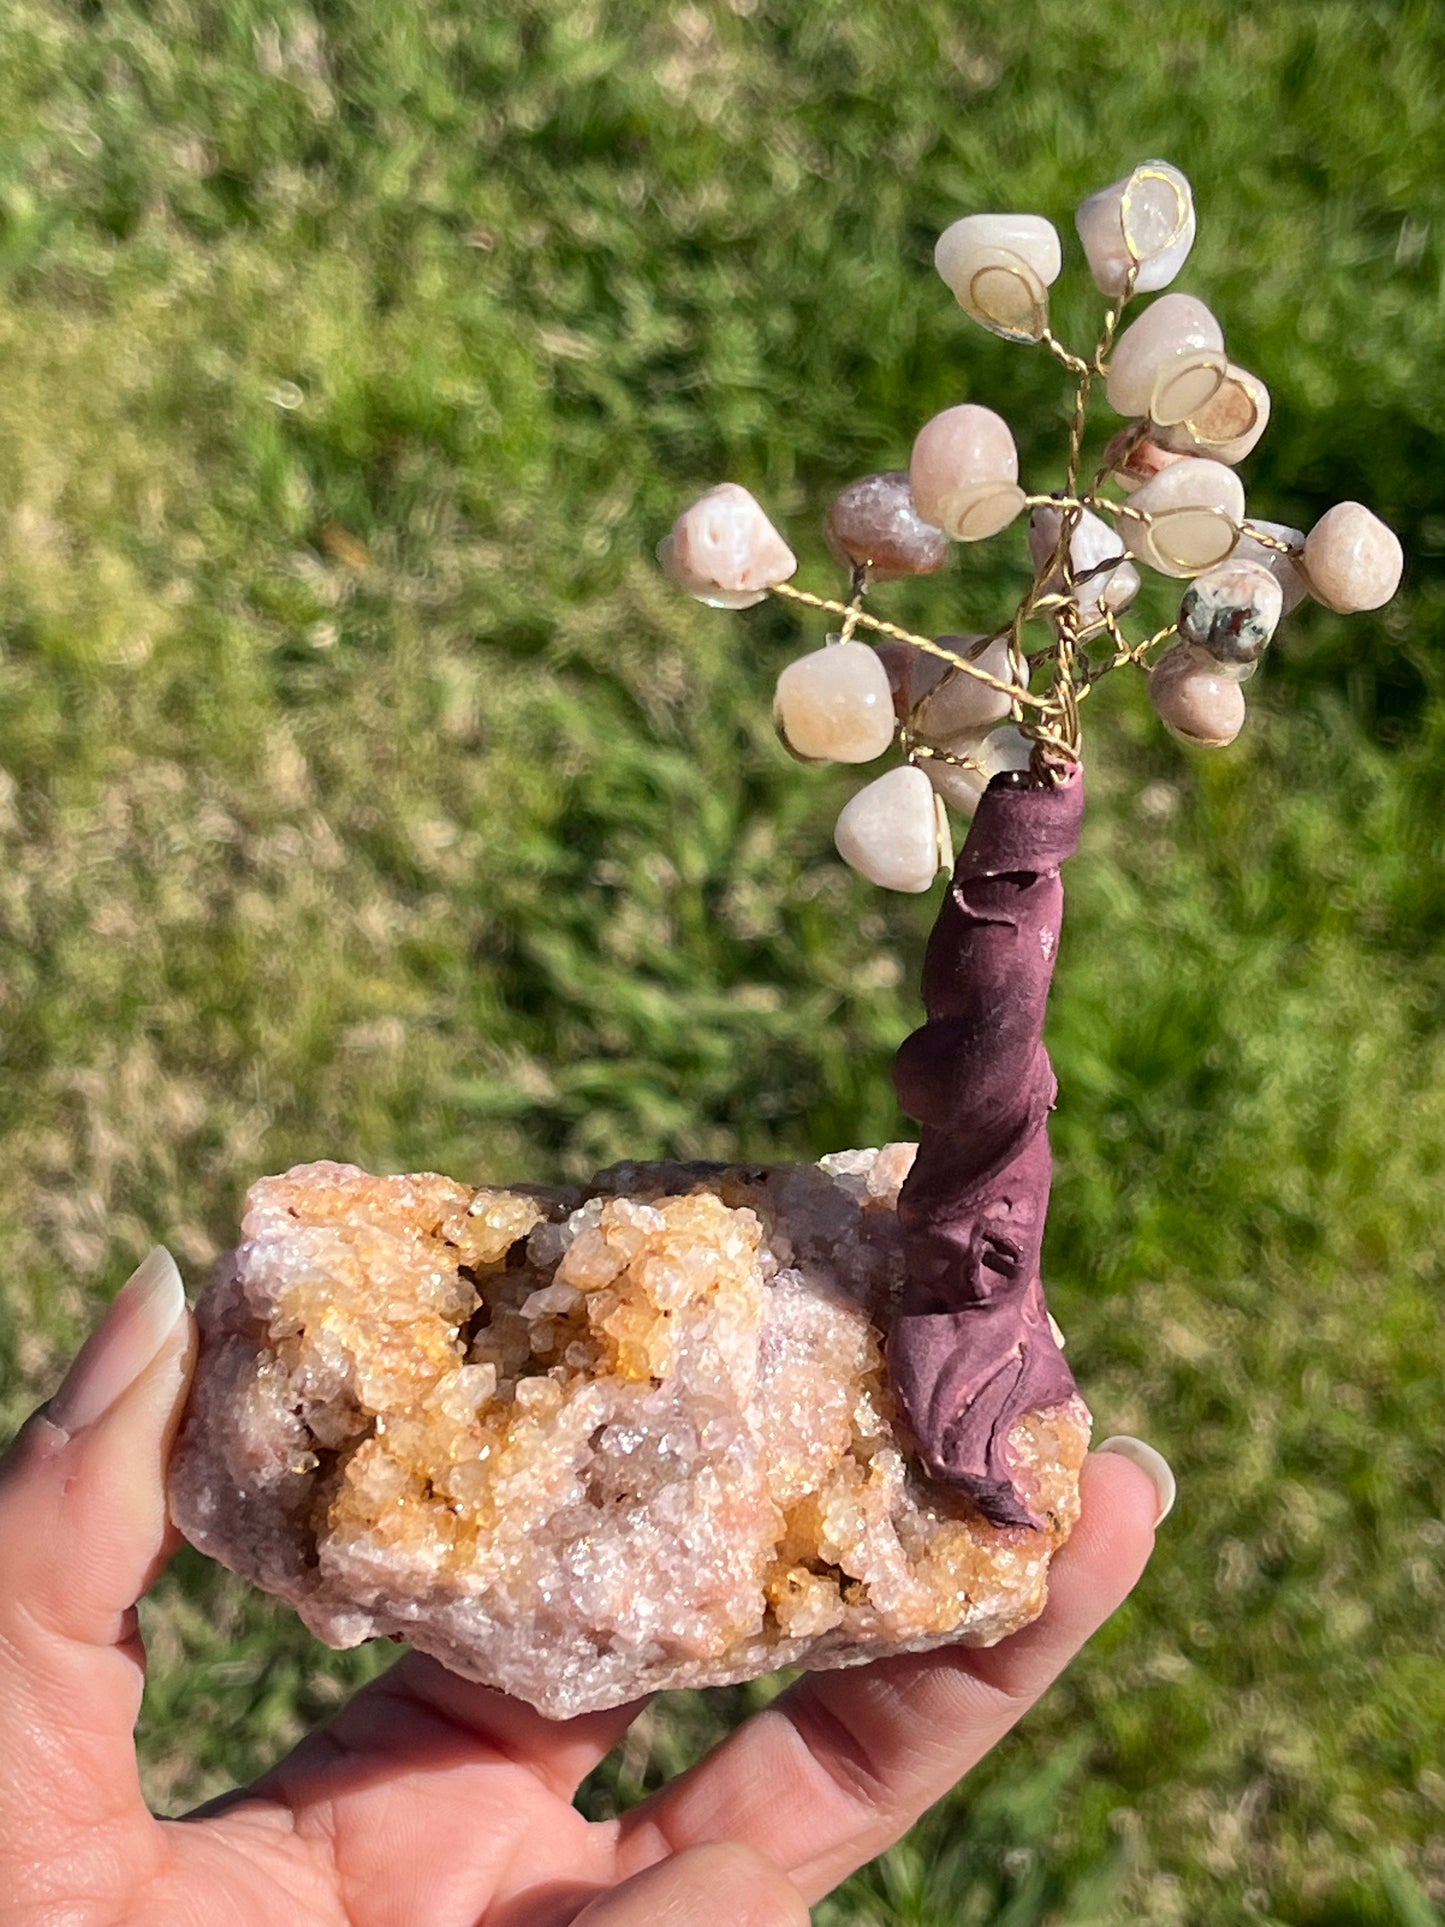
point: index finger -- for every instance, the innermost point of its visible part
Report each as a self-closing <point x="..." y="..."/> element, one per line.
<point x="843" y="1763"/>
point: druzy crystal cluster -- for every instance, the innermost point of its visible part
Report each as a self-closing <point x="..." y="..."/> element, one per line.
<point x="1165" y="496"/>
<point x="583" y="1445"/>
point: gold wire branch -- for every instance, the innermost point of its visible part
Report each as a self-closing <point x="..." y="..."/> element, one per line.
<point x="865" y="619"/>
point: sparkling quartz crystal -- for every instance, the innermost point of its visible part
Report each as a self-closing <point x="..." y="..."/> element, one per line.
<point x="890" y="833"/>
<point x="957" y="702"/>
<point x="977" y="760"/>
<point x="874" y="525"/>
<point x="1231" y="611"/>
<point x="725" y="551"/>
<point x="1229" y="425"/>
<point x="964" y="473"/>
<point x="1169" y="363"/>
<point x="1195" y="699"/>
<point x="1148" y="219"/>
<point x="1352" y="559"/>
<point x="582" y="1446"/>
<point x="1103" y="579"/>
<point x="1000" y="267"/>
<point x="836" y="704"/>
<point x="1284" y="568"/>
<point x="1194" y="511"/>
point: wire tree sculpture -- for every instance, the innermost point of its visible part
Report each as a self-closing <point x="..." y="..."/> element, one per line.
<point x="989" y="726"/>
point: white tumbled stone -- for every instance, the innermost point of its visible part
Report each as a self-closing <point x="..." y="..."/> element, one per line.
<point x="1228" y="426"/>
<point x="1194" y="699"/>
<point x="1000" y="267"/>
<point x="964" y="472"/>
<point x="1232" y="611"/>
<point x="1195" y="507"/>
<point x="725" y="551"/>
<point x="1352" y="559"/>
<point x="836" y="704"/>
<point x="888" y="832"/>
<point x="1148" y="218"/>
<point x="1104" y="578"/>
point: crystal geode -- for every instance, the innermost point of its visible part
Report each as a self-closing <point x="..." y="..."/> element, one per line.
<point x="582" y="1446"/>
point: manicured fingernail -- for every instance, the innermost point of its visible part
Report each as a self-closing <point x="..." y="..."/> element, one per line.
<point x="140" y="1320"/>
<point x="1150" y="1461"/>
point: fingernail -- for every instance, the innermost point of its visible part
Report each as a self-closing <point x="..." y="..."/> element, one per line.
<point x="1150" y="1461"/>
<point x="140" y="1320"/>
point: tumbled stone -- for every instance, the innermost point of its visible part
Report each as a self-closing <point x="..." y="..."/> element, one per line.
<point x="835" y="704"/>
<point x="873" y="525"/>
<point x="1229" y="425"/>
<point x="1135" y="455"/>
<point x="584" y="1445"/>
<point x="1103" y="578"/>
<point x="724" y="550"/>
<point x="956" y="701"/>
<point x="1144" y="221"/>
<point x="1000" y="268"/>
<point x="912" y="672"/>
<point x="1194" y="510"/>
<point x="971" y="762"/>
<point x="890" y="833"/>
<point x="1231" y="611"/>
<point x="1352" y="559"/>
<point x="1194" y="699"/>
<point x="1169" y="362"/>
<point x="1284" y="567"/>
<point x="964" y="472"/>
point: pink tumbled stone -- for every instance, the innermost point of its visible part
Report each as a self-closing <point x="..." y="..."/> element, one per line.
<point x="1284" y="568"/>
<point x="964" y="472"/>
<point x="1194" y="700"/>
<point x="1353" y="560"/>
<point x="1145" y="221"/>
<point x="1195" y="509"/>
<point x="889" y="831"/>
<point x="1229" y="425"/>
<point x="1134" y="456"/>
<point x="961" y="784"/>
<point x="999" y="267"/>
<point x="1175" y="345"/>
<point x="725" y="551"/>
<point x="957" y="702"/>
<point x="836" y="704"/>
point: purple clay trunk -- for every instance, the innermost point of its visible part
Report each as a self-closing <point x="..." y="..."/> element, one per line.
<point x="972" y="1349"/>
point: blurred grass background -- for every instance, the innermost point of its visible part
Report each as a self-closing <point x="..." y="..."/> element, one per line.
<point x="364" y="792"/>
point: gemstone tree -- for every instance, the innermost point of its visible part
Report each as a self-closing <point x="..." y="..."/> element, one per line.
<point x="986" y="724"/>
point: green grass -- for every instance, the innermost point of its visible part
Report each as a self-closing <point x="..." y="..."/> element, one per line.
<point x="364" y="791"/>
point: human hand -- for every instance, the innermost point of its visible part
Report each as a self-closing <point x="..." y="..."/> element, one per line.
<point x="429" y="1798"/>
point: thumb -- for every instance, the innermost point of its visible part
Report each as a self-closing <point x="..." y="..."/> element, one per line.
<point x="83" y="1532"/>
